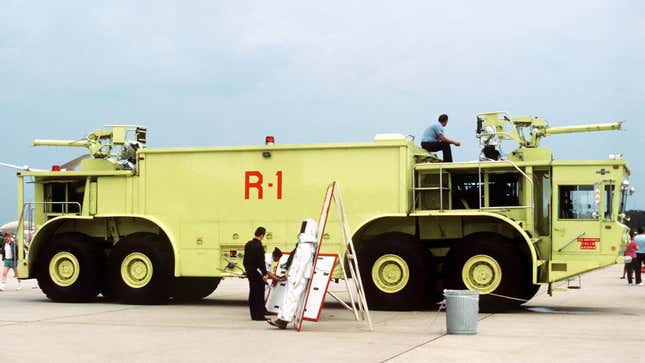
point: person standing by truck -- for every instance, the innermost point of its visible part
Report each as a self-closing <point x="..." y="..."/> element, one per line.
<point x="433" y="139"/>
<point x="269" y="259"/>
<point x="634" y="265"/>
<point x="632" y="234"/>
<point x="256" y="273"/>
<point x="640" y="252"/>
<point x="10" y="260"/>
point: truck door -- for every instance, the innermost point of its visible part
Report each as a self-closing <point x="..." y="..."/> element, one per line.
<point x="578" y="212"/>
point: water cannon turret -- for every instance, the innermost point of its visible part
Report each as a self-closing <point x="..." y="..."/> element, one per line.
<point x="111" y="144"/>
<point x="526" y="131"/>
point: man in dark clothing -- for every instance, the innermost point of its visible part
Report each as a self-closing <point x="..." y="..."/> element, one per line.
<point x="433" y="139"/>
<point x="256" y="273"/>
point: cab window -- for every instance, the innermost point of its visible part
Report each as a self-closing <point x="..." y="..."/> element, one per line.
<point x="577" y="202"/>
<point x="609" y="200"/>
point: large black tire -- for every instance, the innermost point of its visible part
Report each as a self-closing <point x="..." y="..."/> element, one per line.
<point x="386" y="262"/>
<point x="68" y="268"/>
<point x="193" y="288"/>
<point x="140" y="269"/>
<point x="105" y="287"/>
<point x="491" y="264"/>
<point x="530" y="290"/>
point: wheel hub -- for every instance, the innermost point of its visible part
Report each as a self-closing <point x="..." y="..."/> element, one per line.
<point x="136" y="270"/>
<point x="64" y="269"/>
<point x="390" y="273"/>
<point x="482" y="273"/>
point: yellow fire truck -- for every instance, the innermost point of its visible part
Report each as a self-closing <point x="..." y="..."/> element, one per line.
<point x="144" y="225"/>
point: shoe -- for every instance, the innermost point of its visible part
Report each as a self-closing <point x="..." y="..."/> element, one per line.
<point x="280" y="324"/>
<point x="622" y="278"/>
<point x="640" y="284"/>
<point x="19" y="287"/>
<point x="2" y="286"/>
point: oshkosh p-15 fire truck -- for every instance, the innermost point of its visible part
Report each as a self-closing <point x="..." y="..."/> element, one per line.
<point x="144" y="225"/>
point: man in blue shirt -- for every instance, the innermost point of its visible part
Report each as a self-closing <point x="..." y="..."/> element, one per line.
<point x="433" y="139"/>
<point x="640" y="252"/>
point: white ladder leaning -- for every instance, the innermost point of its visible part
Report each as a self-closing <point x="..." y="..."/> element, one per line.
<point x="356" y="292"/>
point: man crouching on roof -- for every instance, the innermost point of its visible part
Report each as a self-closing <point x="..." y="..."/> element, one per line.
<point x="298" y="274"/>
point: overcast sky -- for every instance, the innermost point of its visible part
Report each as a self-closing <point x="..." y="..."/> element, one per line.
<point x="229" y="73"/>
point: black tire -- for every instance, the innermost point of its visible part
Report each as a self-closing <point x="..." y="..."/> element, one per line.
<point x="530" y="290"/>
<point x="155" y="285"/>
<point x="416" y="293"/>
<point x="78" y="265"/>
<point x="494" y="248"/>
<point x="193" y="288"/>
<point x="105" y="287"/>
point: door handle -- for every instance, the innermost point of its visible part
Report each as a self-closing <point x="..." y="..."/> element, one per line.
<point x="570" y="242"/>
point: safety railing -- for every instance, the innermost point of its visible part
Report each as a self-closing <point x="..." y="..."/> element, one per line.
<point x="27" y="217"/>
<point x="441" y="188"/>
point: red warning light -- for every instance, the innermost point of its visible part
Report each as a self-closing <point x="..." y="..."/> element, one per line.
<point x="55" y="167"/>
<point x="269" y="140"/>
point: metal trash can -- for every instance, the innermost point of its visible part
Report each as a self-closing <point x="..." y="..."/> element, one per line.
<point x="462" y="307"/>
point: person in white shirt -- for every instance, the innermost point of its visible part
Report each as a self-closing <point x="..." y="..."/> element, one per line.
<point x="10" y="260"/>
<point x="269" y="259"/>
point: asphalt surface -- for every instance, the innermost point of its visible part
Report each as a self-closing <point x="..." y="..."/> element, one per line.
<point x="604" y="321"/>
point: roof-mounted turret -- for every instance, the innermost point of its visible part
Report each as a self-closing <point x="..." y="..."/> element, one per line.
<point x="108" y="145"/>
<point x="527" y="131"/>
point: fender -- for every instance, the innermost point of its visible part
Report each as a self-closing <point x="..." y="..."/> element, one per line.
<point x="53" y="224"/>
<point x="515" y="225"/>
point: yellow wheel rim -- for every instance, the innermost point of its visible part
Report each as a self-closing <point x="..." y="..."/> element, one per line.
<point x="136" y="270"/>
<point x="390" y="273"/>
<point x="64" y="269"/>
<point x="482" y="273"/>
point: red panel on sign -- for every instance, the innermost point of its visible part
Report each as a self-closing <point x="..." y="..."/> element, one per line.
<point x="588" y="240"/>
<point x="588" y="243"/>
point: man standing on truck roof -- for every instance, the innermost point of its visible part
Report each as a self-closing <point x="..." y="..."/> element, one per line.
<point x="433" y="139"/>
<point x="256" y="273"/>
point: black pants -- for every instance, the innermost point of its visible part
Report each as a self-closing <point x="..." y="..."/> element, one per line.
<point x="641" y="260"/>
<point x="635" y="266"/>
<point x="256" y="298"/>
<point x="439" y="146"/>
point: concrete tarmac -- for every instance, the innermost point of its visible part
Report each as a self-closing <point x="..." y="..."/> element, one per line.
<point x="604" y="321"/>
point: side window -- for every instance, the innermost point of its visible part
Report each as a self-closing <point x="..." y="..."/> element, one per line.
<point x="465" y="191"/>
<point x="609" y="200"/>
<point x="504" y="190"/>
<point x="577" y="202"/>
<point x="542" y="182"/>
